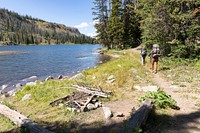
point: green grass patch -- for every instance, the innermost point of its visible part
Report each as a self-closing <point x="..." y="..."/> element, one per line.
<point x="6" y="125"/>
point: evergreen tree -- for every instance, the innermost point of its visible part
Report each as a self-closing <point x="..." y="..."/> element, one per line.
<point x="168" y="22"/>
<point x="131" y="25"/>
<point x="101" y="13"/>
<point x="115" y="25"/>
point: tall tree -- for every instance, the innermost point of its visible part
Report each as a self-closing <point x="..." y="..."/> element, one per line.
<point x="101" y="19"/>
<point x="131" y="25"/>
<point x="115" y="25"/>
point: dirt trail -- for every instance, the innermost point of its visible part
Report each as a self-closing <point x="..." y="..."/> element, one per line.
<point x="185" y="120"/>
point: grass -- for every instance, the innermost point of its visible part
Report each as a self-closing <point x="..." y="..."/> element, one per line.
<point x="5" y="124"/>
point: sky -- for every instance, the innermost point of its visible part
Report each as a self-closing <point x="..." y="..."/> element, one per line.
<point x="73" y="13"/>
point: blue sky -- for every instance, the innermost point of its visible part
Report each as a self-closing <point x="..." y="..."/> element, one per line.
<point x="73" y="13"/>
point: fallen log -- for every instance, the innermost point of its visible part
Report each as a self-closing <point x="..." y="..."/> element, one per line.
<point x="86" y="90"/>
<point x="21" y="120"/>
<point x="139" y="117"/>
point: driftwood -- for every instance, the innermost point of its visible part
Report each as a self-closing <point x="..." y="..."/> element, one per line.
<point x="139" y="117"/>
<point x="79" y="100"/>
<point x="21" y="120"/>
<point x="92" y="91"/>
<point x="86" y="103"/>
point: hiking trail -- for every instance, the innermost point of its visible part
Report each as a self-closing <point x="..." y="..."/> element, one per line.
<point x="185" y="120"/>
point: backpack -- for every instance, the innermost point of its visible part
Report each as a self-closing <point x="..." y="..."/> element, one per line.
<point x="143" y="52"/>
<point x="156" y="51"/>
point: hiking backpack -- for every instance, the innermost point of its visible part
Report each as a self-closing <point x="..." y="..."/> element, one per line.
<point x="144" y="52"/>
<point x="156" y="51"/>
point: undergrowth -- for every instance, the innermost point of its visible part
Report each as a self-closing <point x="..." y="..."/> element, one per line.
<point x="161" y="99"/>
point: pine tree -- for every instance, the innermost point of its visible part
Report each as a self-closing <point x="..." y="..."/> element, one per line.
<point x="131" y="25"/>
<point x="115" y="25"/>
<point x="101" y="13"/>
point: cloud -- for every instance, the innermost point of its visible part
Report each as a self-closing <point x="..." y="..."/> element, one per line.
<point x="95" y="22"/>
<point x="82" y="25"/>
<point x="92" y="34"/>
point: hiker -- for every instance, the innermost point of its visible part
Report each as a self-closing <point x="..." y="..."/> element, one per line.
<point x="154" y="55"/>
<point x="143" y="55"/>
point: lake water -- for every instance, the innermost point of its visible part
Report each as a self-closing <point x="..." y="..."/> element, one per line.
<point x="44" y="61"/>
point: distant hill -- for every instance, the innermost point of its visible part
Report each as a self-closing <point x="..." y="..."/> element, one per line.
<point x="16" y="30"/>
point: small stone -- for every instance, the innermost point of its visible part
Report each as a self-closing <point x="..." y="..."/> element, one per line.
<point x="107" y="112"/>
<point x="111" y="77"/>
<point x="26" y="97"/>
<point x="19" y="85"/>
<point x="60" y="77"/>
<point x="61" y="104"/>
<point x="3" y="87"/>
<point x="31" y="83"/>
<point x="91" y="106"/>
<point x="77" y="76"/>
<point x="48" y="78"/>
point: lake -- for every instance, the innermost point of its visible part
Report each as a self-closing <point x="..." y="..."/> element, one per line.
<point x="44" y="61"/>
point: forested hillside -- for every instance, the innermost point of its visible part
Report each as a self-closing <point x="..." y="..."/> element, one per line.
<point x="16" y="29"/>
<point x="173" y="24"/>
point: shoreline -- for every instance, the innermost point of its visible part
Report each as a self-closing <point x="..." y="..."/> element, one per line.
<point x="11" y="52"/>
<point x="9" y="88"/>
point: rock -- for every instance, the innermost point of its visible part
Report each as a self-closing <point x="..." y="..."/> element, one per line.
<point x="110" y="79"/>
<point x="119" y="114"/>
<point x="77" y="76"/>
<point x="91" y="106"/>
<point x="48" y="78"/>
<point x="3" y="87"/>
<point x="30" y="78"/>
<point x="60" y="77"/>
<point x="12" y="93"/>
<point x="26" y="97"/>
<point x="150" y="88"/>
<point x="61" y="104"/>
<point x="19" y="85"/>
<point x="107" y="112"/>
<point x="31" y="83"/>
<point x="98" y="104"/>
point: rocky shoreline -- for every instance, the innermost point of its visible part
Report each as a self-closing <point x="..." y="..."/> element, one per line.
<point x="8" y="90"/>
